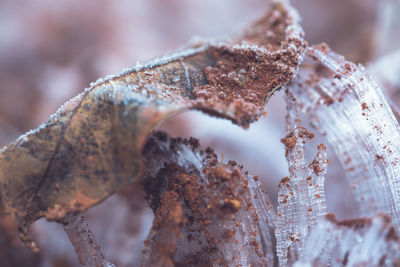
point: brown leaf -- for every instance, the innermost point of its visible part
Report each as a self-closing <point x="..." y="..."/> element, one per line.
<point x="92" y="145"/>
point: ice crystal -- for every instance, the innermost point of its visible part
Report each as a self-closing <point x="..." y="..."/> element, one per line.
<point x="301" y="199"/>
<point x="358" y="242"/>
<point x="152" y="64"/>
<point x="348" y="107"/>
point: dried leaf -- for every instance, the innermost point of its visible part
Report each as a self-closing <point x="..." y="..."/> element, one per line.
<point x="92" y="145"/>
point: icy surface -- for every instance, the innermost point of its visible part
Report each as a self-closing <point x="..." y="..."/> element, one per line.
<point x="360" y="242"/>
<point x="349" y="108"/>
<point x="301" y="198"/>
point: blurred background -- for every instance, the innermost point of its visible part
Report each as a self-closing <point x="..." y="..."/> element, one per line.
<point x="51" y="50"/>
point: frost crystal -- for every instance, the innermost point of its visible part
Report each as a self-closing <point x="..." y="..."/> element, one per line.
<point x="301" y="196"/>
<point x="350" y="110"/>
<point x="152" y="64"/>
<point x="358" y="242"/>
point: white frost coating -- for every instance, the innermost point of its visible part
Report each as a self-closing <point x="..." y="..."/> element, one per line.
<point x="267" y="218"/>
<point x="3" y="149"/>
<point x="66" y="107"/>
<point x="152" y="64"/>
<point x="350" y="109"/>
<point x="258" y="50"/>
<point x="190" y="160"/>
<point x="293" y="31"/>
<point x="187" y="75"/>
<point x="301" y="199"/>
<point x="361" y="242"/>
<point x="128" y="93"/>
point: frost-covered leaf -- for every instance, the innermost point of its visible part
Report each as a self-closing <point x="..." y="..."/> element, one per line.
<point x="92" y="145"/>
<point x="207" y="213"/>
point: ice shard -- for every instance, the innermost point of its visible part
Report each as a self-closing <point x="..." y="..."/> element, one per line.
<point x="301" y="198"/>
<point x="347" y="107"/>
<point x="356" y="242"/>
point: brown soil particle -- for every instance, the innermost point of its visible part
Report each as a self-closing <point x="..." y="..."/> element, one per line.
<point x="305" y="134"/>
<point x="197" y="203"/>
<point x="166" y="226"/>
<point x="289" y="140"/>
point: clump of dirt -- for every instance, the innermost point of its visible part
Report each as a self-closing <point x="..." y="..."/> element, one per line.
<point x="202" y="206"/>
